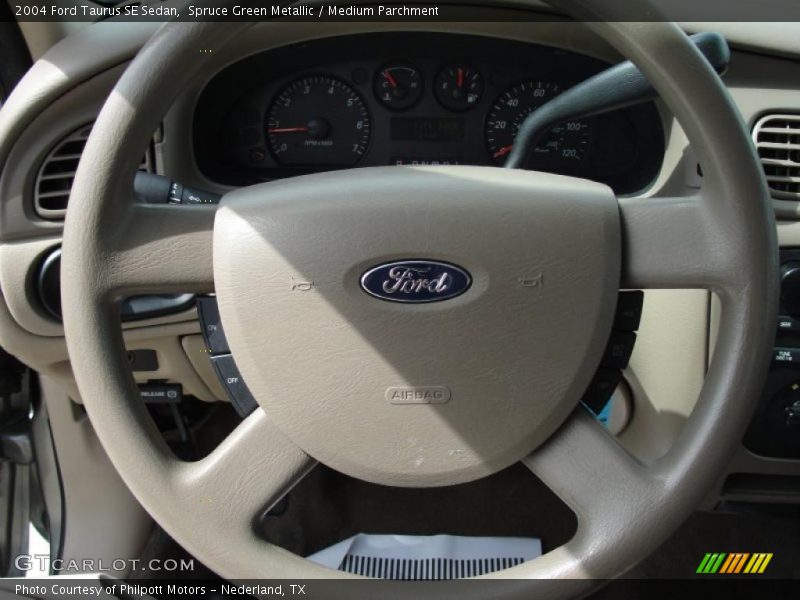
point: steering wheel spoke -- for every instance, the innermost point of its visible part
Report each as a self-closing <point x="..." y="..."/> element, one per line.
<point x="596" y="477"/>
<point x="162" y="249"/>
<point x="250" y="471"/>
<point x="673" y="243"/>
<point x="587" y="468"/>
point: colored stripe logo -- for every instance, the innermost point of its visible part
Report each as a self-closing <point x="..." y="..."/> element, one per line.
<point x="734" y="563"/>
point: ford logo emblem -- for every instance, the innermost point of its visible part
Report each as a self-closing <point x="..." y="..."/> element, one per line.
<point x="416" y="281"/>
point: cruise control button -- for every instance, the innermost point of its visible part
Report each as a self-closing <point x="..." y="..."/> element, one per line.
<point x="629" y="311"/>
<point x="212" y="325"/>
<point x="601" y="388"/>
<point x="232" y="381"/>
<point x="786" y="355"/>
<point x="619" y="349"/>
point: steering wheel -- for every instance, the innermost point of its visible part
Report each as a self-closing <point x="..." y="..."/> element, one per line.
<point x="320" y="357"/>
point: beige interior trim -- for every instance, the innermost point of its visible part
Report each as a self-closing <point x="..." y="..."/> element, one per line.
<point x="666" y="370"/>
<point x="101" y="518"/>
<point x="195" y="348"/>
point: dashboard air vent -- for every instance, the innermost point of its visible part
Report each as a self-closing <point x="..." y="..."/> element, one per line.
<point x="55" y="177"/>
<point x="777" y="138"/>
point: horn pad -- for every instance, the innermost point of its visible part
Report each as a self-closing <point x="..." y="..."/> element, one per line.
<point x="508" y="281"/>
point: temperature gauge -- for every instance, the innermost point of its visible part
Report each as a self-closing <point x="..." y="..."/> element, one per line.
<point x="398" y="86"/>
<point x="458" y="87"/>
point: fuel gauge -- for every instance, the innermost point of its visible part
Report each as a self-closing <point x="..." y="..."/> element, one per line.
<point x="398" y="86"/>
<point x="458" y="87"/>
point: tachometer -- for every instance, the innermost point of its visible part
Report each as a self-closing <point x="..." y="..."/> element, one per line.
<point x="318" y="120"/>
<point x="566" y="144"/>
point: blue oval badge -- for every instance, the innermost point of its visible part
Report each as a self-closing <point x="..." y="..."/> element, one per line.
<point x="416" y="281"/>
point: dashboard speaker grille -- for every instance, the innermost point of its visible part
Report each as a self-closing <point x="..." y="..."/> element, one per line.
<point x="777" y="139"/>
<point x="57" y="172"/>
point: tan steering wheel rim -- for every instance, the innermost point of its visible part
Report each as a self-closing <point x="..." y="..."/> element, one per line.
<point x="723" y="240"/>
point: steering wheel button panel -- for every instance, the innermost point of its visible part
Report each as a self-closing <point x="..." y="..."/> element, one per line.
<point x="629" y="311"/>
<point x="786" y="355"/>
<point x="788" y="324"/>
<point x="603" y="384"/>
<point x="237" y="389"/>
<point x="619" y="349"/>
<point x="213" y="333"/>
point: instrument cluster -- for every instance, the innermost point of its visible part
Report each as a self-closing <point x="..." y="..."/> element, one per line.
<point x="431" y="99"/>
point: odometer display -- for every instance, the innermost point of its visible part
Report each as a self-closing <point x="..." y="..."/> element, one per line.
<point x="318" y="121"/>
<point x="424" y="129"/>
<point x="564" y="146"/>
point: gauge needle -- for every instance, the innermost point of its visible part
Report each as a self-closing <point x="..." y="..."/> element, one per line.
<point x="286" y="129"/>
<point x="503" y="151"/>
<point x="388" y="76"/>
<point x="460" y="78"/>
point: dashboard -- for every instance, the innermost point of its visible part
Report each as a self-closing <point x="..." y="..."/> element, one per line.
<point x="408" y="99"/>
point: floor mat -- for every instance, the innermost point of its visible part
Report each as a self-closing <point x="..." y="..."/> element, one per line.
<point x="426" y="557"/>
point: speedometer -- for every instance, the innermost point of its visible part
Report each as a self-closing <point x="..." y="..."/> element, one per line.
<point x="318" y="120"/>
<point x="566" y="143"/>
